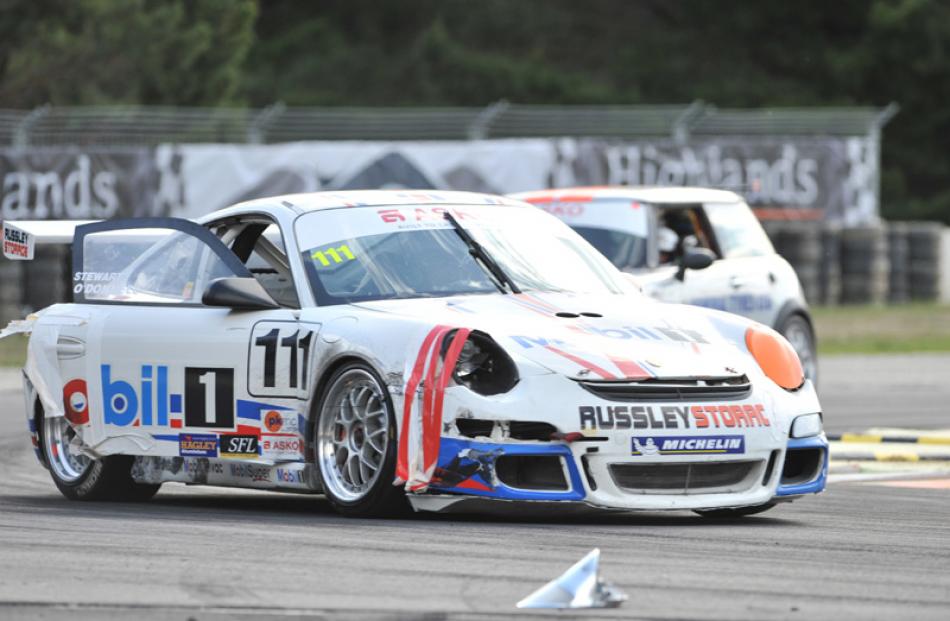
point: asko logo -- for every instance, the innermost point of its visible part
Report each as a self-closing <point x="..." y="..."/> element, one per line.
<point x="239" y="446"/>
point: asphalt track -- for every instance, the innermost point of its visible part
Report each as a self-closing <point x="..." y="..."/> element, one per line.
<point x="861" y="550"/>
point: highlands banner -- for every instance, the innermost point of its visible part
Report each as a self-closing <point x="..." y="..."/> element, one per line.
<point x="81" y="184"/>
<point x="830" y="178"/>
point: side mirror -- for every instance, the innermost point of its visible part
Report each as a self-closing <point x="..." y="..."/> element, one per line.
<point x="694" y="259"/>
<point x="238" y="294"/>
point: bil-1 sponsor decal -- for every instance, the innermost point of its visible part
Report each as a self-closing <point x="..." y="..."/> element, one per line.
<point x="648" y="446"/>
<point x="239" y="446"/>
<point x="208" y="399"/>
<point x="197" y="445"/>
<point x="672" y="416"/>
<point x="643" y="333"/>
<point x="76" y="401"/>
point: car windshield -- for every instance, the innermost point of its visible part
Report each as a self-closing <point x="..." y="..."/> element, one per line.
<point x="364" y="254"/>
<point x="615" y="226"/>
<point x="738" y="230"/>
<point x="624" y="250"/>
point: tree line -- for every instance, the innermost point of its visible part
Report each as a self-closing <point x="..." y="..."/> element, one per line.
<point x="732" y="53"/>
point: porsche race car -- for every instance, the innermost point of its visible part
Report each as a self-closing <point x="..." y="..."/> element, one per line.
<point x="456" y="350"/>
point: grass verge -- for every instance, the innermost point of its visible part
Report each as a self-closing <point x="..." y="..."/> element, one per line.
<point x="883" y="329"/>
<point x="13" y="351"/>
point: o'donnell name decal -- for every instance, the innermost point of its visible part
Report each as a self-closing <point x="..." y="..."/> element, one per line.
<point x="672" y="416"/>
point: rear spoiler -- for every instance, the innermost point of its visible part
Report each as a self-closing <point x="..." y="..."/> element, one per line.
<point x="20" y="237"/>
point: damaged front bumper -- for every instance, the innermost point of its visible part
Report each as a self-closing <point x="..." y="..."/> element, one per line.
<point x="628" y="469"/>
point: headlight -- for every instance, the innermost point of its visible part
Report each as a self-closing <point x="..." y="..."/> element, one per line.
<point x="806" y="426"/>
<point x="775" y="356"/>
<point x="483" y="366"/>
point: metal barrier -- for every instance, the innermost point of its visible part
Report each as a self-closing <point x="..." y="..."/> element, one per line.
<point x="149" y="125"/>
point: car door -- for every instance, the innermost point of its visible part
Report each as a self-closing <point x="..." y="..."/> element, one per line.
<point x="745" y="284"/>
<point x="735" y="282"/>
<point x="167" y="374"/>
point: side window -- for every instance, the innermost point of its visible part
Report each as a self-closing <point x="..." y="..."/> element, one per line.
<point x="680" y="228"/>
<point x="260" y="246"/>
<point x="154" y="261"/>
<point x="738" y="231"/>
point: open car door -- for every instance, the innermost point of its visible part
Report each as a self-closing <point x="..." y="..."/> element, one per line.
<point x="164" y="370"/>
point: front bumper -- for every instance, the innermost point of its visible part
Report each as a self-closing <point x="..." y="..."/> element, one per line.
<point x="607" y="480"/>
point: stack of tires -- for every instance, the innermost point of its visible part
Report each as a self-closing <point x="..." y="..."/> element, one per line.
<point x="46" y="277"/>
<point x="11" y="288"/>
<point x="899" y="256"/>
<point x="923" y="240"/>
<point x="800" y="244"/>
<point x="829" y="269"/>
<point x="865" y="269"/>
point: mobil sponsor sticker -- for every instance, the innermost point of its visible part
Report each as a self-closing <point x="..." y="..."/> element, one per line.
<point x="686" y="445"/>
<point x="296" y="477"/>
<point x="197" y="445"/>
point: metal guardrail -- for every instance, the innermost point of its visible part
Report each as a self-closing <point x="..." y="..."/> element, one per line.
<point x="150" y="125"/>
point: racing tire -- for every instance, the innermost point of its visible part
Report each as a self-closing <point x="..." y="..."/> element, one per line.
<point x="799" y="333"/>
<point x="355" y="441"/>
<point x="719" y="514"/>
<point x="81" y="478"/>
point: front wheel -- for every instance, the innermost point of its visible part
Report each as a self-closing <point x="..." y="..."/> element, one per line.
<point x="355" y="440"/>
<point x="797" y="331"/>
<point x="734" y="513"/>
<point x="79" y="477"/>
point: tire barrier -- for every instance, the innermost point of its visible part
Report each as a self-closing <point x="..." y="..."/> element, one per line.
<point x="923" y="241"/>
<point x="898" y="252"/>
<point x="45" y="278"/>
<point x="11" y="290"/>
<point x="801" y="245"/>
<point x="829" y="269"/>
<point x="865" y="268"/>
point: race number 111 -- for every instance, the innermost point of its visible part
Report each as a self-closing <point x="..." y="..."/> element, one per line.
<point x="285" y="358"/>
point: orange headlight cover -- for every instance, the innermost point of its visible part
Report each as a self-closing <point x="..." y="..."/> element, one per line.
<point x="775" y="356"/>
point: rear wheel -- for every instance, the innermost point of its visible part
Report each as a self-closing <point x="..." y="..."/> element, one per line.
<point x="797" y="331"/>
<point x="355" y="439"/>
<point x="79" y="477"/>
<point x="734" y="513"/>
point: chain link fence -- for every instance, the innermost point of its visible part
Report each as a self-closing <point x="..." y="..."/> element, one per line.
<point x="151" y="125"/>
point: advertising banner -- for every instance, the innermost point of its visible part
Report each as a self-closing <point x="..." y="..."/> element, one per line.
<point x="830" y="178"/>
<point x="79" y="184"/>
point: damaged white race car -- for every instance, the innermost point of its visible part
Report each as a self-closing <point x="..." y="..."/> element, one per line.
<point x="460" y="350"/>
